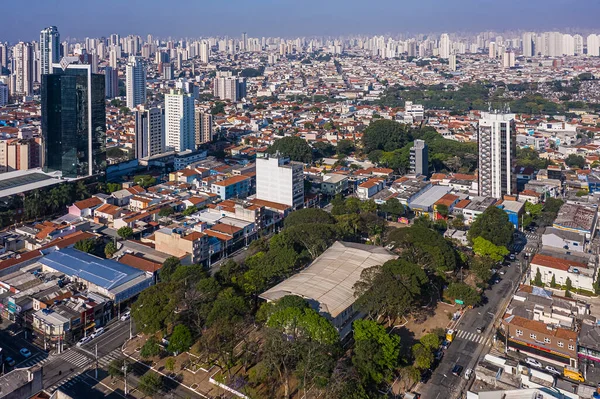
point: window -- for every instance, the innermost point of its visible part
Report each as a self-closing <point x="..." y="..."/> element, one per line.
<point x="571" y="347"/>
<point x="547" y="340"/>
<point x="532" y="336"/>
<point x="519" y="332"/>
<point x="560" y="344"/>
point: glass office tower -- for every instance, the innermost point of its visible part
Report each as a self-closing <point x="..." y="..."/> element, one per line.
<point x="74" y="120"/>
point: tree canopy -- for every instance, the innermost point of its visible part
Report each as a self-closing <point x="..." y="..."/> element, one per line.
<point x="294" y="147"/>
<point x="463" y="292"/>
<point x="376" y="353"/>
<point x="494" y="226"/>
<point x="386" y="135"/>
<point x="483" y="247"/>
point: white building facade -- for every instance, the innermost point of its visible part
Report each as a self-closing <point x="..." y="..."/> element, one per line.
<point x="179" y="121"/>
<point x="279" y="180"/>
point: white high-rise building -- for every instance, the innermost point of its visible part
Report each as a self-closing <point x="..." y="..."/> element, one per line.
<point x="113" y="58"/>
<point x="445" y="46"/>
<point x="497" y="154"/>
<point x="149" y="131"/>
<point x="493" y="50"/>
<point x="528" y="44"/>
<point x="279" y="180"/>
<point x="49" y="49"/>
<point x="228" y="87"/>
<point x="568" y="45"/>
<point x="578" y="39"/>
<point x="508" y="59"/>
<point x="204" y="52"/>
<point x="3" y="56"/>
<point x="23" y="68"/>
<point x="135" y="84"/>
<point x="593" y="45"/>
<point x="452" y="62"/>
<point x="180" y="132"/>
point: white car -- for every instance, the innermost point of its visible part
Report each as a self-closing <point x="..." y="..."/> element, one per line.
<point x="84" y="340"/>
<point x="533" y="362"/>
<point x="468" y="374"/>
<point x="552" y="370"/>
<point x="125" y="316"/>
<point x="98" y="332"/>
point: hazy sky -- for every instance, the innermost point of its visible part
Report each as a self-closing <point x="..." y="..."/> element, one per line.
<point x="22" y="20"/>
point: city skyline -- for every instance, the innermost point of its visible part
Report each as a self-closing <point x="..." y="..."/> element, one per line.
<point x="286" y="19"/>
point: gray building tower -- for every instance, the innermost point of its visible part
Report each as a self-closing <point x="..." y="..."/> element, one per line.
<point x="419" y="158"/>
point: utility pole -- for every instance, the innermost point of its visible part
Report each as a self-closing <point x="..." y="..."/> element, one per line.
<point x="125" y="372"/>
<point x="130" y="329"/>
<point x="96" y="362"/>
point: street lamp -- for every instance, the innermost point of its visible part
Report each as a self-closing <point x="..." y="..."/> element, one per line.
<point x="124" y="368"/>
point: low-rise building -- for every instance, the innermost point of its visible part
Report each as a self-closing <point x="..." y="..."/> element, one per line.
<point x="182" y="243"/>
<point x="581" y="274"/>
<point x="369" y="188"/>
<point x="233" y="187"/>
<point x="334" y="184"/>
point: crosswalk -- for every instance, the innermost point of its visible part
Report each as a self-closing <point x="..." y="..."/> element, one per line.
<point x="470" y="336"/>
<point x="105" y="360"/>
<point x="67" y="382"/>
<point x="37" y="359"/>
<point x="532" y="236"/>
<point x="75" y="358"/>
<point x="79" y="359"/>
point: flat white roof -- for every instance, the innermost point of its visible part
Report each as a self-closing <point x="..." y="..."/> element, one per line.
<point x="330" y="279"/>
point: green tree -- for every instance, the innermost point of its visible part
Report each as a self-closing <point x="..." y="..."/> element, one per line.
<point x="151" y="348"/>
<point x="494" y="226"/>
<point x="463" y="292"/>
<point x="154" y="309"/>
<point x="538" y="278"/>
<point x="568" y="284"/>
<point x="294" y="147"/>
<point x="168" y="268"/>
<point x="125" y="232"/>
<point x="392" y="207"/>
<point x="430" y="341"/>
<point x="376" y="353"/>
<point x="345" y="147"/>
<point x="110" y="249"/>
<point x="170" y="363"/>
<point x="112" y="187"/>
<point x="218" y="108"/>
<point x="575" y="161"/>
<point x="423" y="356"/>
<point x="323" y="150"/>
<point x="144" y="180"/>
<point x="553" y="282"/>
<point x="481" y="267"/>
<point x="116" y="368"/>
<point x="166" y="211"/>
<point x="181" y="340"/>
<point x="88" y="245"/>
<point x="189" y="211"/>
<point x="385" y="135"/>
<point x="442" y="209"/>
<point x="308" y="216"/>
<point x="150" y="383"/>
<point x="483" y="247"/>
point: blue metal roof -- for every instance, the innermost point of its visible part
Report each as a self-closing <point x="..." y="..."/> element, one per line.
<point x="104" y="273"/>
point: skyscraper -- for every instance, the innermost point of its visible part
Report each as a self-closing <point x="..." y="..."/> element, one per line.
<point x="445" y="46"/>
<point x="49" y="49"/>
<point x="135" y="82"/>
<point x="204" y="127"/>
<point x="23" y="68"/>
<point x="452" y="62"/>
<point x="180" y="132"/>
<point x="3" y="56"/>
<point x="419" y="158"/>
<point x="279" y="180"/>
<point x="229" y="87"/>
<point x="111" y="82"/>
<point x="593" y="45"/>
<point x="497" y="154"/>
<point x="149" y="131"/>
<point x="528" y="46"/>
<point x="74" y="119"/>
<point x="204" y="52"/>
<point x="3" y="94"/>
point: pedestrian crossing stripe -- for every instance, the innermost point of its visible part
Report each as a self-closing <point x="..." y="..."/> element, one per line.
<point x="470" y="336"/>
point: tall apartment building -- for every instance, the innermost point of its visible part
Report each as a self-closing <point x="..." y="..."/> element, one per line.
<point x="444" y="46"/>
<point x="204" y="52"/>
<point x="593" y="45"/>
<point x="74" y="119"/>
<point x="149" y="131"/>
<point x="111" y="82"/>
<point x="419" y="158"/>
<point x="135" y="84"/>
<point x="20" y="154"/>
<point x="3" y="56"/>
<point x="3" y="94"/>
<point x="49" y="49"/>
<point x="204" y="127"/>
<point x="452" y="62"/>
<point x="528" y="44"/>
<point x="279" y="180"/>
<point x="497" y="154"/>
<point x="228" y="87"/>
<point x="180" y="129"/>
<point x="23" y="68"/>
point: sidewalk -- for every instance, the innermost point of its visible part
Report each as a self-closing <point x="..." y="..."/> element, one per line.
<point x="195" y="379"/>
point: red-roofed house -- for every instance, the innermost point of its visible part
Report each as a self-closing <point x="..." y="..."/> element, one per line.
<point x="86" y="207"/>
<point x="369" y="188"/>
<point x="448" y="200"/>
<point x="582" y="275"/>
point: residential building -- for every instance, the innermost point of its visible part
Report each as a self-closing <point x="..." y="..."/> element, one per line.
<point x="229" y="87"/>
<point x="49" y="49"/>
<point x="21" y="383"/>
<point x="580" y="271"/>
<point x="445" y="46"/>
<point x="419" y="158"/>
<point x="180" y="132"/>
<point x="182" y="244"/>
<point x="334" y="184"/>
<point x="149" y="131"/>
<point x="415" y="111"/>
<point x="135" y="84"/>
<point x="279" y="180"/>
<point x="578" y="219"/>
<point x="3" y="94"/>
<point x="74" y="119"/>
<point x="564" y="240"/>
<point x="369" y="188"/>
<point x="233" y="187"/>
<point x="111" y="82"/>
<point x="23" y="69"/>
<point x="497" y="154"/>
<point x="20" y="154"/>
<point x="204" y="127"/>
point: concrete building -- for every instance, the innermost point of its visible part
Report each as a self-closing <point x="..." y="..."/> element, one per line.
<point x="49" y="49"/>
<point x="3" y="94"/>
<point x="204" y="52"/>
<point x="135" y="84"/>
<point x="20" y="154"/>
<point x="233" y="187"/>
<point x="445" y="46"/>
<point x="327" y="282"/>
<point x="21" y="383"/>
<point x="419" y="158"/>
<point x="149" y="132"/>
<point x="111" y="82"/>
<point x="497" y="154"/>
<point x="229" y="87"/>
<point x="416" y="111"/>
<point x="369" y="188"/>
<point x="582" y="273"/>
<point x="334" y="184"/>
<point x="204" y="127"/>
<point x="182" y="244"/>
<point x="279" y="180"/>
<point x="180" y="132"/>
<point x="23" y="68"/>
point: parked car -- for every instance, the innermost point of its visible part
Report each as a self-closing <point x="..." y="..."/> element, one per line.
<point x="125" y="316"/>
<point x="552" y="370"/>
<point x="480" y="329"/>
<point x="25" y="352"/>
<point x="512" y="257"/>
<point x="468" y="374"/>
<point x="445" y="344"/>
<point x="84" y="340"/>
<point x="534" y="363"/>
<point x="457" y="369"/>
<point x="425" y="376"/>
<point x="502" y="272"/>
<point x="99" y="331"/>
<point x="10" y="361"/>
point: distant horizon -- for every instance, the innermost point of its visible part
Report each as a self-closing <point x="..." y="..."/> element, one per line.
<point x="283" y="18"/>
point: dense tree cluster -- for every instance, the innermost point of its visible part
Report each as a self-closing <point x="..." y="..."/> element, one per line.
<point x="294" y="147"/>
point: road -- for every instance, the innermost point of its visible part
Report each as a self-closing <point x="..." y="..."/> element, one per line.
<point x="12" y="340"/>
<point x="468" y="345"/>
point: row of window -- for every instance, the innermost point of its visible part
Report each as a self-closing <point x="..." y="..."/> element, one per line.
<point x="546" y="340"/>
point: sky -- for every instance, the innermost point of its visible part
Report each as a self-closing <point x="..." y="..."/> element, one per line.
<point x="23" y="20"/>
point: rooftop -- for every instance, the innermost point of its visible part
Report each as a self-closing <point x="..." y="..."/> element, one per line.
<point x="576" y="217"/>
<point x="330" y="279"/>
<point x="21" y="181"/>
